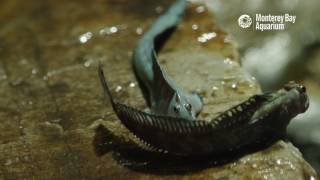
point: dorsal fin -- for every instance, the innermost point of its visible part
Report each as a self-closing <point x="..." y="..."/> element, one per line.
<point x="134" y="117"/>
<point x="164" y="89"/>
<point x="165" y="132"/>
<point x="240" y="113"/>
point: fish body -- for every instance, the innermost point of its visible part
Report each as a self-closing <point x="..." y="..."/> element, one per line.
<point x="171" y="127"/>
<point x="163" y="95"/>
<point x="261" y="117"/>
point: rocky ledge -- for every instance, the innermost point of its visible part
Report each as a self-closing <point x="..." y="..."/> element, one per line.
<point x="54" y="124"/>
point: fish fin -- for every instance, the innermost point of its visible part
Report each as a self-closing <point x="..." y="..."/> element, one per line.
<point x="162" y="84"/>
<point x="105" y="87"/>
<point x="155" y="130"/>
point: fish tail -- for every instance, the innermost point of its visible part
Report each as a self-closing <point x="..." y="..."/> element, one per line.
<point x="167" y="20"/>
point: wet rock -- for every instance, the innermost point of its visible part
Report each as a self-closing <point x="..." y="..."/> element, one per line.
<point x="49" y="51"/>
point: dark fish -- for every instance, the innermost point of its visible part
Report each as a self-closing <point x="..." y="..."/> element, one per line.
<point x="260" y="117"/>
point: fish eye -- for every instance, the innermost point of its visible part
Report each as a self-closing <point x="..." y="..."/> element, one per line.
<point x="176" y="109"/>
<point x="303" y="89"/>
<point x="188" y="106"/>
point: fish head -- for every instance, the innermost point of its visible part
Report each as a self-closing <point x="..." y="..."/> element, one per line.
<point x="186" y="106"/>
<point x="300" y="100"/>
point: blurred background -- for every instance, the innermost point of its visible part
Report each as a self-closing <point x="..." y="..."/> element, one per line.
<point x="275" y="57"/>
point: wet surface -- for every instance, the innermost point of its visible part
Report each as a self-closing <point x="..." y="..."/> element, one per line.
<point x="292" y="54"/>
<point x="51" y="104"/>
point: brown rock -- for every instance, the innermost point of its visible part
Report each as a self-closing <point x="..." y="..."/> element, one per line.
<point x="51" y="104"/>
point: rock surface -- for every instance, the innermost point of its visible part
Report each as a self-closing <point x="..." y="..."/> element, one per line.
<point x="295" y="52"/>
<point x="51" y="108"/>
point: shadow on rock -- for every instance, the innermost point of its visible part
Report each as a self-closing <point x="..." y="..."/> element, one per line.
<point x="137" y="159"/>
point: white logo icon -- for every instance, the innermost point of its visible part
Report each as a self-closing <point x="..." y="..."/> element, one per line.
<point x="244" y="21"/>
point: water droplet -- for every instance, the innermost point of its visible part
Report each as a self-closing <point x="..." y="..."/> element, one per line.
<point x="85" y="37"/>
<point x="228" y="61"/>
<point x="118" y="89"/>
<point x="108" y="30"/>
<point x="88" y="63"/>
<point x="254" y="165"/>
<point x="34" y="71"/>
<point x="200" y="9"/>
<point x="139" y="30"/>
<point x="215" y="88"/>
<point x="278" y="161"/>
<point x="113" y="29"/>
<point x="132" y="84"/>
<point x="234" y="86"/>
<point x="195" y="27"/>
<point x="205" y="37"/>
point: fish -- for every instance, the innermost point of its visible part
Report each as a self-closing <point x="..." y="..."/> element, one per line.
<point x="259" y="118"/>
<point x="163" y="95"/>
<point x="172" y="126"/>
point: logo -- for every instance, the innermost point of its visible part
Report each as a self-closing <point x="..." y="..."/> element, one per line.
<point x="267" y="22"/>
<point x="244" y="21"/>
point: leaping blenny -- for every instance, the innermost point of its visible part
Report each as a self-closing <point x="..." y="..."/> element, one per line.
<point x="163" y="95"/>
<point x="178" y="132"/>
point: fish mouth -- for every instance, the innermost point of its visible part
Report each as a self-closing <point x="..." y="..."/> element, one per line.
<point x="301" y="90"/>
